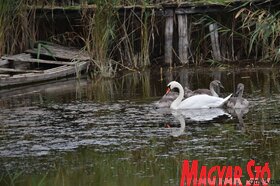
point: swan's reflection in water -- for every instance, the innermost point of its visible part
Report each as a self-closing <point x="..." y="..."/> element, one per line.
<point x="189" y="116"/>
<point x="197" y="115"/>
<point x="201" y="115"/>
<point x="239" y="114"/>
<point x="178" y="131"/>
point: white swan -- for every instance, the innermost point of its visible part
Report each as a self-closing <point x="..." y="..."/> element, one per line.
<point x="238" y="101"/>
<point x="196" y="101"/>
<point x="167" y="99"/>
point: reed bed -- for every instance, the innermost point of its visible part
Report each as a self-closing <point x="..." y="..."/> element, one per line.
<point x="99" y="37"/>
<point x="136" y="38"/>
<point x="250" y="34"/>
<point x="17" y="26"/>
<point x="119" y="38"/>
<point x="263" y="28"/>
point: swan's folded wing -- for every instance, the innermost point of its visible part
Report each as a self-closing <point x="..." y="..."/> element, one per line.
<point x="202" y="101"/>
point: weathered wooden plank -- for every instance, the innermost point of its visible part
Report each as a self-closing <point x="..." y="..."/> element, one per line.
<point x="214" y="35"/>
<point x="4" y="75"/>
<point x="168" y="48"/>
<point x="20" y="70"/>
<point x="60" y="52"/>
<point x="26" y="58"/>
<point x="184" y="43"/>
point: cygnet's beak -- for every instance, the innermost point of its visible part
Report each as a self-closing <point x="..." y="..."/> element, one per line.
<point x="238" y="91"/>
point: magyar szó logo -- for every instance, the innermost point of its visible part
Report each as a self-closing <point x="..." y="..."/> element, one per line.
<point x="224" y="175"/>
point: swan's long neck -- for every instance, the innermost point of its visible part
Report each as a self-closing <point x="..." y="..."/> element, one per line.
<point x="213" y="92"/>
<point x="178" y="100"/>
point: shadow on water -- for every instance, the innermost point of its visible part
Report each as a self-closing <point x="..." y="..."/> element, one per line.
<point x="107" y="132"/>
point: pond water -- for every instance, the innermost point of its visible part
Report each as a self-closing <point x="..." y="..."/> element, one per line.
<point x="107" y="132"/>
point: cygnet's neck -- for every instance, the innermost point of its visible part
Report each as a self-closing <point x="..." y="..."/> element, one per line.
<point x="213" y="92"/>
<point x="178" y="100"/>
<point x="240" y="93"/>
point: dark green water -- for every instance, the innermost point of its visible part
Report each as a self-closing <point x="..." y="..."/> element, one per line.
<point x="107" y="132"/>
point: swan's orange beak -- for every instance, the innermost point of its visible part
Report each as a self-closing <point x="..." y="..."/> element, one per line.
<point x="168" y="90"/>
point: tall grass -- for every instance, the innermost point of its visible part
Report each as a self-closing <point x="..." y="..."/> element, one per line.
<point x="115" y="39"/>
<point x="251" y="34"/>
<point x="147" y="35"/>
<point x="136" y="38"/>
<point x="17" y="26"/>
<point x="100" y="35"/>
<point x="263" y="29"/>
<point x="6" y="16"/>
